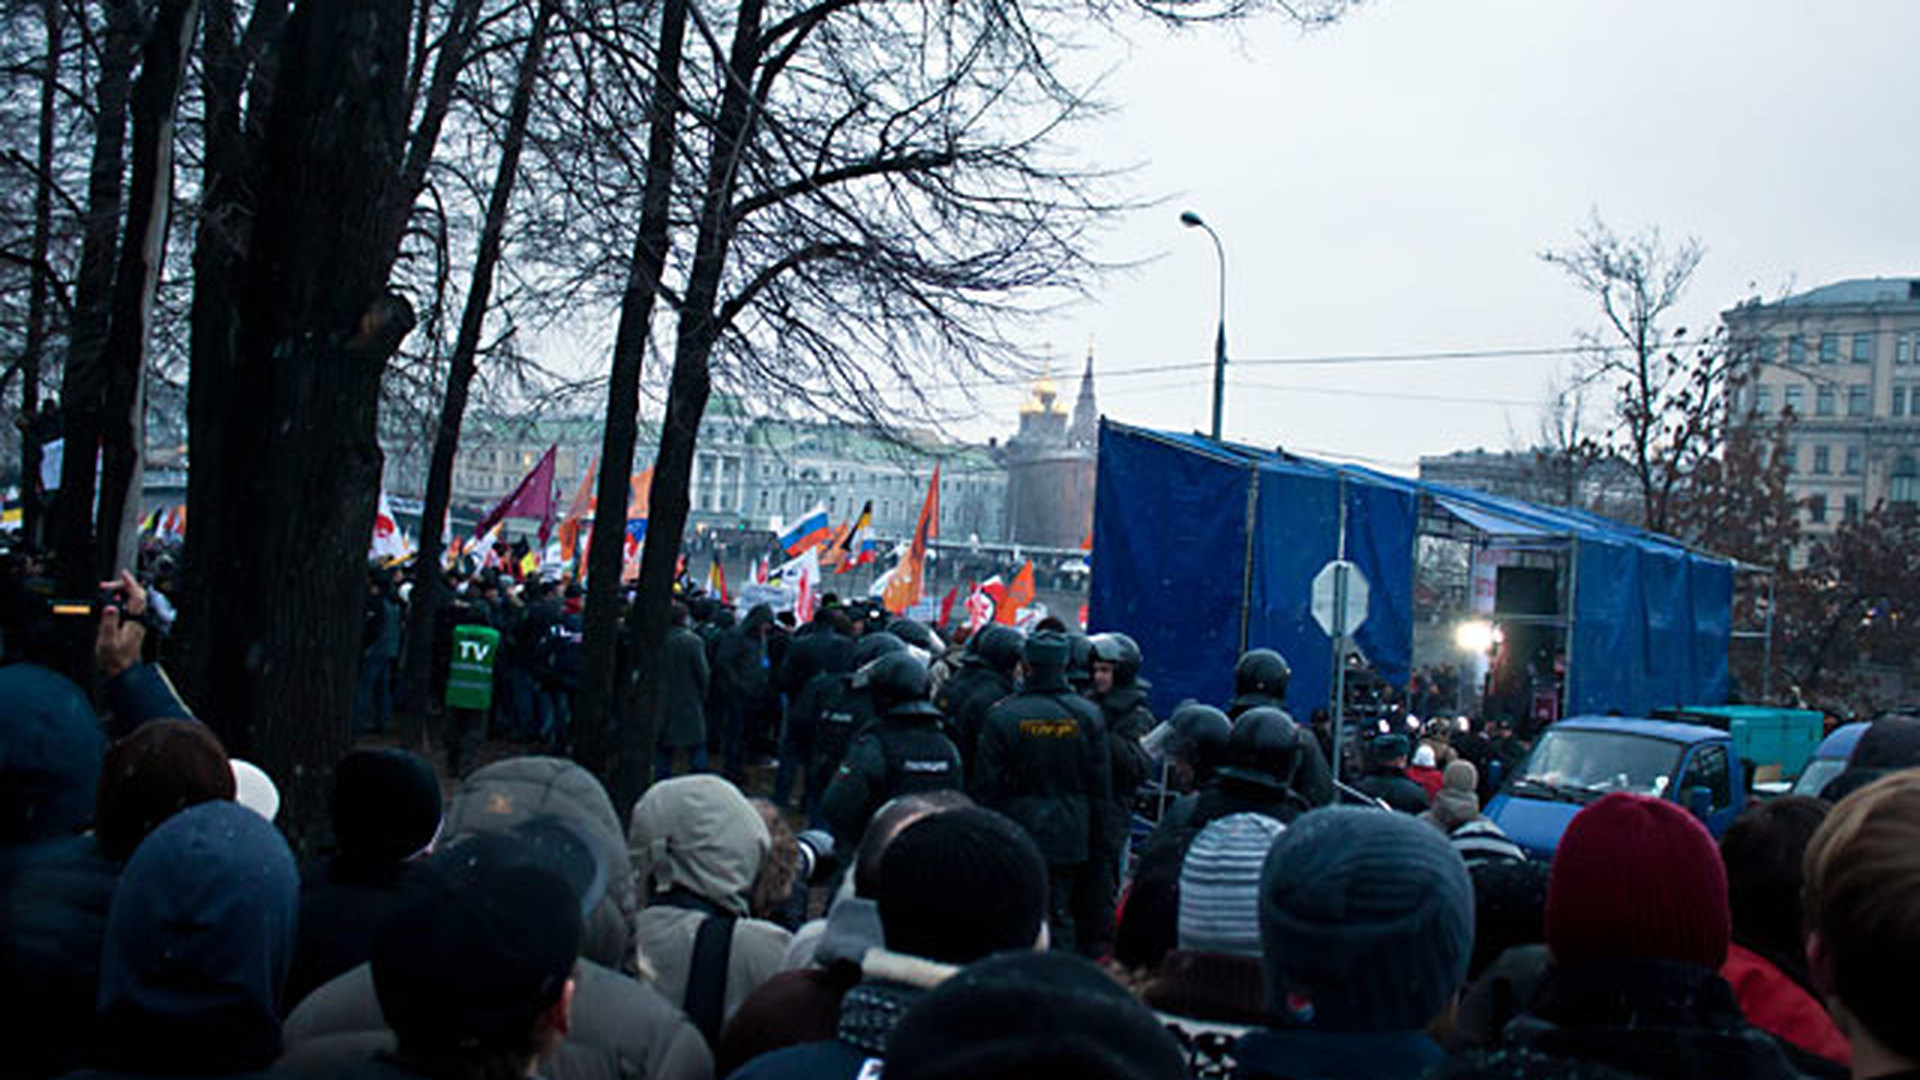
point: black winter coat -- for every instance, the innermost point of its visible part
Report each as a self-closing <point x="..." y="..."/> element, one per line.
<point x="1393" y="787"/>
<point x="965" y="698"/>
<point x="343" y="904"/>
<point x="1043" y="762"/>
<point x="903" y="756"/>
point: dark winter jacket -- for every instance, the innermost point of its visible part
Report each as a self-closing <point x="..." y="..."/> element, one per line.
<point x="1314" y="780"/>
<point x="844" y="713"/>
<point x="868" y="1013"/>
<point x="1306" y="1054"/>
<point x="905" y="755"/>
<point x="682" y="670"/>
<point x="199" y="942"/>
<point x="1393" y="787"/>
<point x="964" y="700"/>
<point x="622" y="1030"/>
<point x="1657" y="1019"/>
<point x="816" y="656"/>
<point x="1043" y="762"/>
<point x="343" y="904"/>
<point x="740" y="662"/>
<point x="55" y="885"/>
<point x="1128" y="718"/>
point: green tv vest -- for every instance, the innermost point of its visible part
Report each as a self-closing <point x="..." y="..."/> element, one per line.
<point x="470" y="675"/>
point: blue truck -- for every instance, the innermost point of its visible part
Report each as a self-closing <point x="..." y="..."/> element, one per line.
<point x="1580" y="759"/>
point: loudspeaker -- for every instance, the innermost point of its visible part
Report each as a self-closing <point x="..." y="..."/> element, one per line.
<point x="1526" y="590"/>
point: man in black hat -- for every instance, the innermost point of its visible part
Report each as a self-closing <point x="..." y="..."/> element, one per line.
<point x="1386" y="778"/>
<point x="1042" y="761"/>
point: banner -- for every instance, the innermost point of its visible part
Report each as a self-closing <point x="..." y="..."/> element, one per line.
<point x="907" y="582"/>
<point x="531" y="498"/>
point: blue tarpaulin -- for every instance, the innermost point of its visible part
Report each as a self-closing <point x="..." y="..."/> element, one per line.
<point x="1203" y="549"/>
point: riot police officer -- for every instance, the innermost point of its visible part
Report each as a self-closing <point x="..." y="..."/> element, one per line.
<point x="905" y="754"/>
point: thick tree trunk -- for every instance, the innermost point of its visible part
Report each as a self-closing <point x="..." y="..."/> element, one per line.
<point x="83" y="386"/>
<point x="40" y="283"/>
<point x="687" y="392"/>
<point x="594" y="702"/>
<point x="429" y="584"/>
<point x="123" y="359"/>
<point x="299" y="467"/>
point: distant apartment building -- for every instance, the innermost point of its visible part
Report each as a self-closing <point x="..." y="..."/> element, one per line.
<point x="1845" y="358"/>
<point x="1605" y="486"/>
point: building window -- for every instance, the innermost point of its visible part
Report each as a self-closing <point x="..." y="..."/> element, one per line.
<point x="1796" y="349"/>
<point x="1856" y="460"/>
<point x="1793" y="458"/>
<point x="1850" y="509"/>
<point x="765" y="496"/>
<point x="1769" y="349"/>
<point x="1863" y="348"/>
<point x="1905" y="487"/>
<point x="1899" y="401"/>
<point x="1903" y="348"/>
<point x="1823" y="401"/>
<point x="1794" y="394"/>
<point x="1822" y="460"/>
<point x="1817" y="509"/>
<point x="1857" y="401"/>
<point x="1829" y="348"/>
<point x="1763" y="400"/>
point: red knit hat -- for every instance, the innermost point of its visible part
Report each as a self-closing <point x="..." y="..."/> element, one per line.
<point x="1638" y="878"/>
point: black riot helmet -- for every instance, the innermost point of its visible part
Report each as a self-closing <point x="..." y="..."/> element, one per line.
<point x="899" y="685"/>
<point x="1264" y="747"/>
<point x="1079" y="661"/>
<point x="998" y="646"/>
<point x="1198" y="736"/>
<point x="1263" y="672"/>
<point x="916" y="634"/>
<point x="873" y="646"/>
<point x="1119" y="650"/>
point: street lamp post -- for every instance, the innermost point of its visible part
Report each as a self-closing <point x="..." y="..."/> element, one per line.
<point x="1193" y="221"/>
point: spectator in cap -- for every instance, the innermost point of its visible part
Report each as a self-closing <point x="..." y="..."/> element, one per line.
<point x="1510" y="958"/>
<point x="698" y="846"/>
<point x="1366" y="922"/>
<point x="159" y="769"/>
<point x="619" y="1028"/>
<point x="1212" y="989"/>
<point x="1456" y="812"/>
<point x="1031" y="1016"/>
<point x="55" y="882"/>
<point x="1637" y="923"/>
<point x="198" y="944"/>
<point x="1425" y="769"/>
<point x="1386" y="776"/>
<point x="477" y="982"/>
<point x="1889" y="744"/>
<point x="954" y="887"/>
<point x="1764" y="851"/>
<point x="1043" y="762"/>
<point x="386" y="812"/>
<point x="1863" y="929"/>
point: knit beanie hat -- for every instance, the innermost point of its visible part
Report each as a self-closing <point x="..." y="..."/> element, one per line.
<point x="1032" y="1016"/>
<point x="1367" y="914"/>
<point x="386" y="805"/>
<point x="1423" y="757"/>
<point x="474" y="965"/>
<point x="1220" y="885"/>
<point x="960" y="885"/>
<point x="1637" y="878"/>
<point x="154" y="772"/>
<point x="1458" y="801"/>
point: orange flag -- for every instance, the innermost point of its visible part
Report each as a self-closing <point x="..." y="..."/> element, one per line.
<point x="577" y="508"/>
<point x="904" y="587"/>
<point x="1018" y="595"/>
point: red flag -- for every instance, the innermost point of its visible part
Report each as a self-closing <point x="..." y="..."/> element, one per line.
<point x="904" y="588"/>
<point x="946" y="605"/>
<point x="578" y="507"/>
<point x="532" y="498"/>
<point x="1018" y="595"/>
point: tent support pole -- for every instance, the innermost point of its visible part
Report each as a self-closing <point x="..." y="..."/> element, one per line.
<point x="1573" y="619"/>
<point x="1246" y="569"/>
<point x="1340" y="648"/>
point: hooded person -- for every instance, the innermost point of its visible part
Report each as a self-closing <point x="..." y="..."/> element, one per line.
<point x="1211" y="990"/>
<point x="698" y="846"/>
<point x="504" y="794"/>
<point x="1889" y="744"/>
<point x="1456" y="812"/>
<point x="618" y="1027"/>
<point x="1031" y="1016"/>
<point x="1366" y="923"/>
<point x="159" y="769"/>
<point x="954" y="888"/>
<point x="198" y="944"/>
<point x="387" y="812"/>
<point x="1637" y="923"/>
<point x="55" y="883"/>
<point x="739" y="682"/>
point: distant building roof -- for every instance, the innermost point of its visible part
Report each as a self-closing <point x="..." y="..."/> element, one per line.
<point x="1856" y="291"/>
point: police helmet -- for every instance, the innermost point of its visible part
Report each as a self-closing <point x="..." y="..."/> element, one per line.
<point x="916" y="634"/>
<point x="1264" y="746"/>
<point x="1262" y="671"/>
<point x="900" y="685"/>
<point x="1119" y="650"/>
<point x="998" y="646"/>
<point x="873" y="646"/>
<point x="1199" y="736"/>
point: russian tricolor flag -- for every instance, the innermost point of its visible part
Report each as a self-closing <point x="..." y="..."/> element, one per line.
<point x="811" y="530"/>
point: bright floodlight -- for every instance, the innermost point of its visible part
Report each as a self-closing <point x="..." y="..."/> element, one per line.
<point x="1475" y="636"/>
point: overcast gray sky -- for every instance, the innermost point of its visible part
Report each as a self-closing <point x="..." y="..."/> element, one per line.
<point x="1384" y="186"/>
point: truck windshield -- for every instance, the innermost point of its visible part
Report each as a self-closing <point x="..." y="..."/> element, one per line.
<point x="1580" y="766"/>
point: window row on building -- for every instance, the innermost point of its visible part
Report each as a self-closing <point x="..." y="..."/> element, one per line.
<point x="1857" y="347"/>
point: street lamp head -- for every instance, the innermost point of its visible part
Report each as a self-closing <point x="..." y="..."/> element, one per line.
<point x="1191" y="220"/>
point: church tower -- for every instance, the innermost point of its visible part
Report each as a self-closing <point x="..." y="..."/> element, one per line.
<point x="1084" y="429"/>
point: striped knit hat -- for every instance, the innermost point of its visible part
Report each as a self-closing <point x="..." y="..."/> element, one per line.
<point x="1220" y="885"/>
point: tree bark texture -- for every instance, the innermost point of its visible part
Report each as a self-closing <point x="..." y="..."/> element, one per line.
<point x="40" y="284"/>
<point x="298" y="468"/>
<point x="599" y="683"/>
<point x="429" y="583"/>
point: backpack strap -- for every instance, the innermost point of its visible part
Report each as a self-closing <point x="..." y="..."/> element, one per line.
<point x="707" y="976"/>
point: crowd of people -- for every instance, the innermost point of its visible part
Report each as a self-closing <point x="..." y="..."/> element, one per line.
<point x="984" y="858"/>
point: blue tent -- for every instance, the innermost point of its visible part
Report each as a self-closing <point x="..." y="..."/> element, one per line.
<point x="1202" y="549"/>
